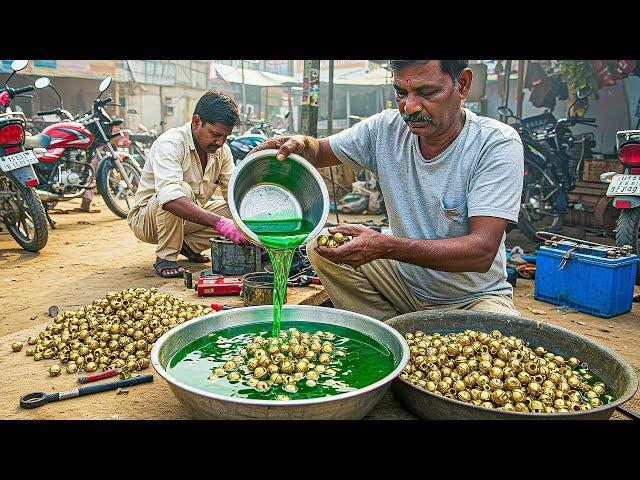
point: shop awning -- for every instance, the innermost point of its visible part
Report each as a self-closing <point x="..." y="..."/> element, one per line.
<point x="252" y="77"/>
<point x="379" y="76"/>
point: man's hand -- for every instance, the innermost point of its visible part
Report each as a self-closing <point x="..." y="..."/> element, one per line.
<point x="317" y="152"/>
<point x="286" y="145"/>
<point x="365" y="246"/>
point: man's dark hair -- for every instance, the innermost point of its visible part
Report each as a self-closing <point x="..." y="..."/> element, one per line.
<point x="450" y="67"/>
<point x="217" y="107"/>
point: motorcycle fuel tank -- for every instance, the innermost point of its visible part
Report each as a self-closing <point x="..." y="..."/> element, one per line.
<point x="66" y="135"/>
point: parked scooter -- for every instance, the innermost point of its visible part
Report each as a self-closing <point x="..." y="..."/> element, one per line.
<point x="65" y="169"/>
<point x="21" y="211"/>
<point x="241" y="145"/>
<point x="625" y="188"/>
<point x="547" y="179"/>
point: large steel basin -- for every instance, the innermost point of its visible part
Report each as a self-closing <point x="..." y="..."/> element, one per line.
<point x="612" y="369"/>
<point x="345" y="406"/>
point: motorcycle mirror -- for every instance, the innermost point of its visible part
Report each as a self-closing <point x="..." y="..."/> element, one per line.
<point x="505" y="111"/>
<point x="582" y="93"/>
<point x="18" y="65"/>
<point x="42" y="82"/>
<point x="105" y="84"/>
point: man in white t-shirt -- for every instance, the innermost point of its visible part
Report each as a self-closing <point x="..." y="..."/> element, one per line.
<point x="451" y="181"/>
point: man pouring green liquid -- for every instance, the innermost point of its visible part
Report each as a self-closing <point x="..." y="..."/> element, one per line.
<point x="451" y="181"/>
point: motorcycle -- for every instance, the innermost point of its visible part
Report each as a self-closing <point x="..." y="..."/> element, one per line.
<point x="625" y="188"/>
<point x="241" y="145"/>
<point x="21" y="211"/>
<point x="137" y="143"/>
<point x="547" y="143"/>
<point x="66" y="168"/>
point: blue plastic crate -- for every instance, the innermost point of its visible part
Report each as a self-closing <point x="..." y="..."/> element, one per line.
<point x="588" y="282"/>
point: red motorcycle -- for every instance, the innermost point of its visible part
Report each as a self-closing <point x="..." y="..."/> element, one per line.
<point x="21" y="211"/>
<point x="71" y="160"/>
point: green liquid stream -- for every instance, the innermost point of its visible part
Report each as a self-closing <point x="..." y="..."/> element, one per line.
<point x="280" y="238"/>
<point x="366" y="361"/>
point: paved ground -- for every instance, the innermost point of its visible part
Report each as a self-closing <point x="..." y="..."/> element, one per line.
<point x="90" y="254"/>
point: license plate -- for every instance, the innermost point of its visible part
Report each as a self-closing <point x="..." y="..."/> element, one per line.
<point x="624" y="185"/>
<point x="17" y="160"/>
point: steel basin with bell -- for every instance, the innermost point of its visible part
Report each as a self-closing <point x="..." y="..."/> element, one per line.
<point x="264" y="188"/>
<point x="345" y="406"/>
<point x="612" y="369"/>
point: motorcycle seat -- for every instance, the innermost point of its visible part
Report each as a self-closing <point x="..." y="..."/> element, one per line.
<point x="40" y="140"/>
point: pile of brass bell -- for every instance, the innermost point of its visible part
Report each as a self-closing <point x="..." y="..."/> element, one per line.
<point x="287" y="362"/>
<point x="333" y="241"/>
<point x="117" y="331"/>
<point x="496" y="371"/>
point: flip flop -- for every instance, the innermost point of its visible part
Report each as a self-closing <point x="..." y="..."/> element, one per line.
<point x="193" y="256"/>
<point x="166" y="265"/>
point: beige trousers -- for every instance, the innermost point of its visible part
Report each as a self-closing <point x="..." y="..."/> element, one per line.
<point x="377" y="290"/>
<point x="152" y="224"/>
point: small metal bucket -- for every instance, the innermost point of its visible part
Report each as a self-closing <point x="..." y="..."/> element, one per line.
<point x="262" y="187"/>
<point x="257" y="289"/>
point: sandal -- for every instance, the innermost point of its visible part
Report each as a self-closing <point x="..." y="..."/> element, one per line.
<point x="168" y="265"/>
<point x="193" y="256"/>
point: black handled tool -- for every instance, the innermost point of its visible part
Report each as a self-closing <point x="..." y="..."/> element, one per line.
<point x="37" y="399"/>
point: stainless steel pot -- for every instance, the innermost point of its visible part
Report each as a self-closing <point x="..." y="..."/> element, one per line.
<point x="612" y="369"/>
<point x="346" y="406"/>
<point x="264" y="188"/>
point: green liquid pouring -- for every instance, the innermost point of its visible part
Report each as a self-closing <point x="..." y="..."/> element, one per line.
<point x="366" y="361"/>
<point x="280" y="238"/>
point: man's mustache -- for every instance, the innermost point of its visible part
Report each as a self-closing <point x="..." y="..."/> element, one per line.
<point x="416" y="117"/>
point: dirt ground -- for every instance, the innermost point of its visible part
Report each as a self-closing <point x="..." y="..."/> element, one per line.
<point x="90" y="254"/>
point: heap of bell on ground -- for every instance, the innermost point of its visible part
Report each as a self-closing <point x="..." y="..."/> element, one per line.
<point x="293" y="358"/>
<point x="117" y="331"/>
<point x="333" y="241"/>
<point x="495" y="371"/>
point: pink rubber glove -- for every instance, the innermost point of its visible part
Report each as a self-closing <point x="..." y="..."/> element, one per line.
<point x="227" y="228"/>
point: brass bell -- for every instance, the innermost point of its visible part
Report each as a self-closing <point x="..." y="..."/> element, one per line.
<point x="259" y="372"/>
<point x="290" y="388"/>
<point x="512" y="383"/>
<point x="54" y="370"/>
<point x="534" y="389"/>
<point x="17" y="346"/>
<point x="463" y="396"/>
<point x="324" y="358"/>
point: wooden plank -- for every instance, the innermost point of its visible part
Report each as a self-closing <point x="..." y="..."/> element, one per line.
<point x="311" y="295"/>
